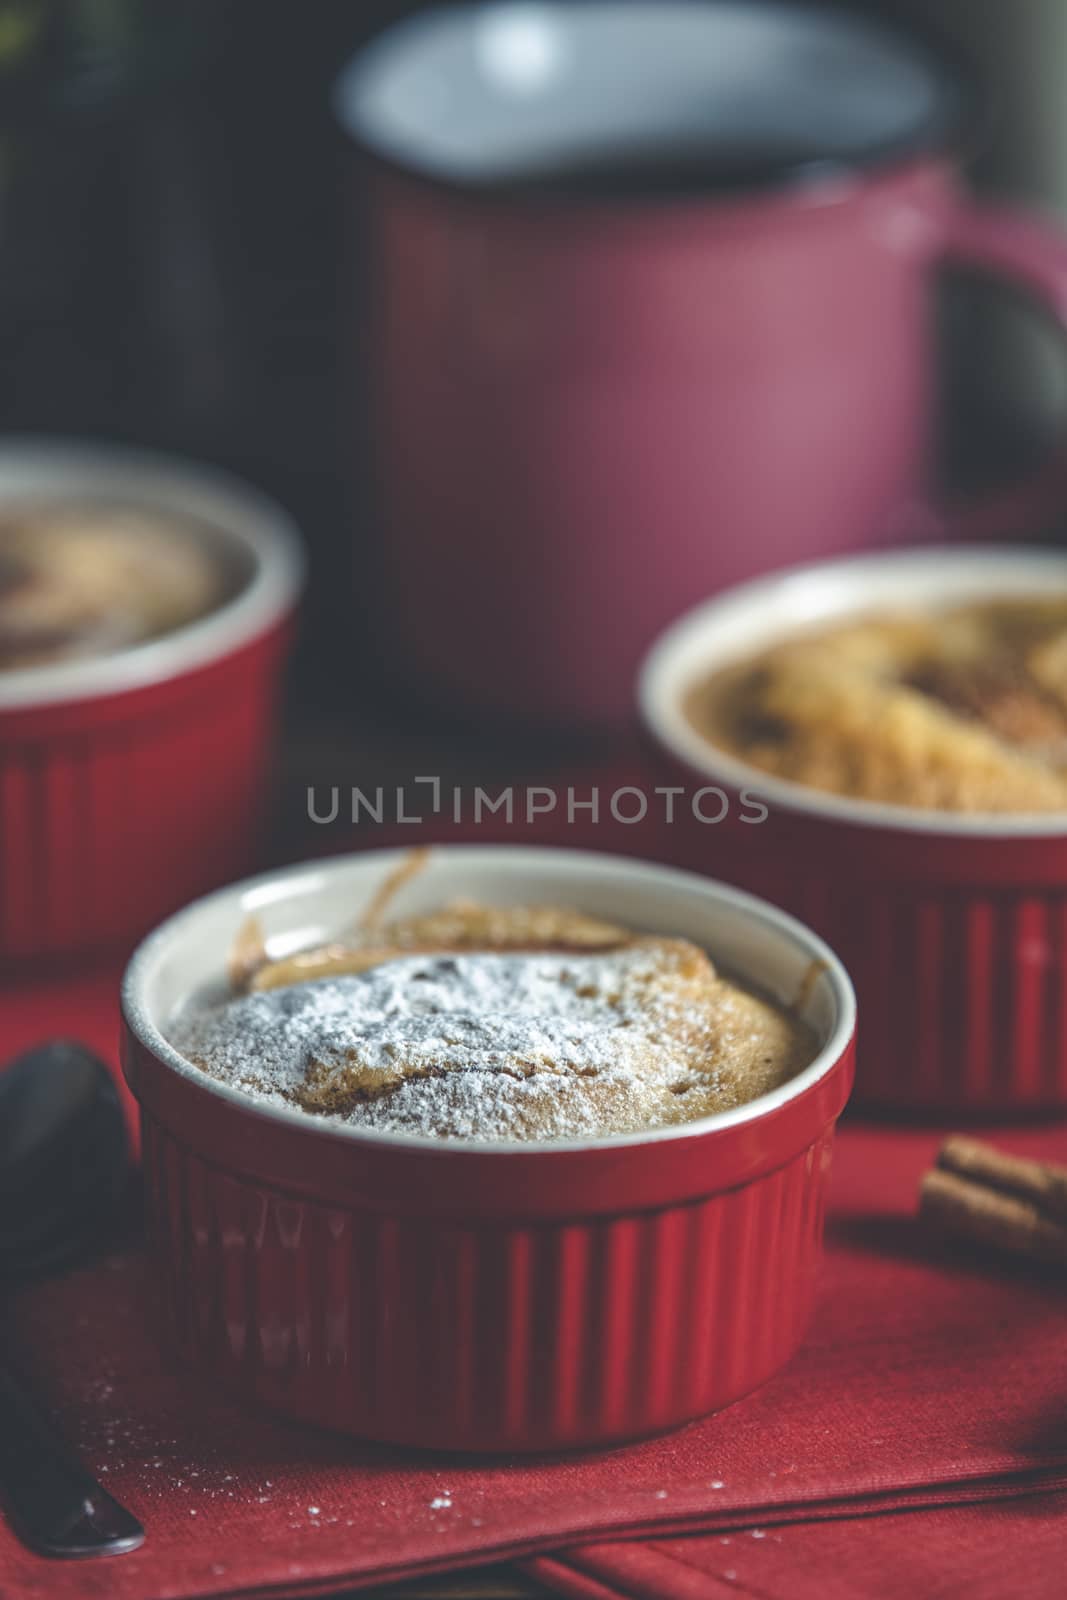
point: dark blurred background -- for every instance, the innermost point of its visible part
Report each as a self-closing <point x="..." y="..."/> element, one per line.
<point x="179" y="263"/>
<point x="171" y="233"/>
<point x="178" y="270"/>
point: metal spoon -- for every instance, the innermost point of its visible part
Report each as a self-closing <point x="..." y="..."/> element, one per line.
<point x="64" y="1162"/>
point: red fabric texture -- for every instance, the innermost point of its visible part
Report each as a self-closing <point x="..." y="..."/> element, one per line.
<point x="993" y="1550"/>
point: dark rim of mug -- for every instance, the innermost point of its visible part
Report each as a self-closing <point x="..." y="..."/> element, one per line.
<point x="958" y="127"/>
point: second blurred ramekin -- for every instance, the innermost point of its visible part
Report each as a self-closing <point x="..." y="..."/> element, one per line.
<point x="133" y="781"/>
<point x="954" y="927"/>
<point x="476" y="1296"/>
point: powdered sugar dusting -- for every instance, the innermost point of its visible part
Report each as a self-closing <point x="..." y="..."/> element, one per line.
<point x="489" y="1044"/>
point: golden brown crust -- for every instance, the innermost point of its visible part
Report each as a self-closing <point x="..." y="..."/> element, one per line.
<point x="463" y="925"/>
<point x="726" y="1044"/>
<point x="612" y="1033"/>
<point x="962" y="711"/>
<point x="82" y="580"/>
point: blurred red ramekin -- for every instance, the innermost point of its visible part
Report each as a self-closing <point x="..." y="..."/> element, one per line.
<point x="953" y="927"/>
<point x="474" y="1296"/>
<point x="132" y="781"/>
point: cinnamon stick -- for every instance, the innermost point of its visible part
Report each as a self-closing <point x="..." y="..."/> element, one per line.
<point x="965" y="1209"/>
<point x="1041" y="1182"/>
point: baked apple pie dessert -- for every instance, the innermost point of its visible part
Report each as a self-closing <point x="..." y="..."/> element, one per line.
<point x="81" y="579"/>
<point x="494" y="1022"/>
<point x="958" y="710"/>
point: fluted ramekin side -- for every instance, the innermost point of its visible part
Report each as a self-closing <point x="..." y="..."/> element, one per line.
<point x="476" y="1335"/>
<point x="113" y="812"/>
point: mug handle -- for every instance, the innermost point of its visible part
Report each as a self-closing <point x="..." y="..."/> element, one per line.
<point x="1030" y="256"/>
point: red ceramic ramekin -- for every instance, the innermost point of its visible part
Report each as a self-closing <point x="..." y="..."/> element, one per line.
<point x="130" y="782"/>
<point x="954" y="927"/>
<point x="486" y="1296"/>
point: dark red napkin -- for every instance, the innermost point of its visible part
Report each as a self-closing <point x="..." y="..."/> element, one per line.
<point x="924" y="1380"/>
<point x="988" y="1550"/>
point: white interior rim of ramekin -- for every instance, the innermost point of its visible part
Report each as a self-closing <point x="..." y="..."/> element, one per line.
<point x="248" y="522"/>
<point x="753" y="616"/>
<point x="518" y="870"/>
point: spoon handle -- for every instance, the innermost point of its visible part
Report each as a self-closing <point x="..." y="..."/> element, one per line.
<point x="56" y="1505"/>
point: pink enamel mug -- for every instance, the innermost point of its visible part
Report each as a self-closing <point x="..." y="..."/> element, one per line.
<point x="651" y="287"/>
